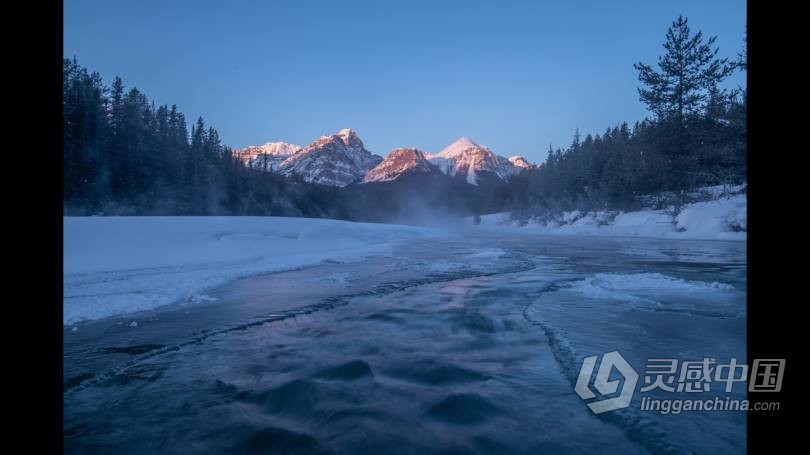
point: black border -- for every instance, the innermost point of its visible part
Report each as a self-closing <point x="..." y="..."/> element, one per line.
<point x="55" y="23"/>
<point x="775" y="225"/>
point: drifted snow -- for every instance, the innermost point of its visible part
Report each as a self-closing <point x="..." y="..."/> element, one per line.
<point x="714" y="216"/>
<point x="118" y="265"/>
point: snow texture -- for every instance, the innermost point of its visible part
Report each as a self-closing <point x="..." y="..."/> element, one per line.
<point x="119" y="265"/>
<point x="720" y="219"/>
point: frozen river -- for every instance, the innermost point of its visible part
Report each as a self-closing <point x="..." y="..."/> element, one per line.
<point x="446" y="345"/>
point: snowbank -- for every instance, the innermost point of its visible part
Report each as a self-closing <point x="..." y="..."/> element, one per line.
<point x="118" y="265"/>
<point x="720" y="216"/>
<point x="721" y="219"/>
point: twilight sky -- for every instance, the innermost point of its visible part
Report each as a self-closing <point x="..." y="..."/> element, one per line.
<point x="513" y="75"/>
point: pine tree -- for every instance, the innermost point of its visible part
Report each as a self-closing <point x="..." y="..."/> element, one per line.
<point x="680" y="94"/>
<point x="688" y="71"/>
<point x="117" y="106"/>
<point x="84" y="133"/>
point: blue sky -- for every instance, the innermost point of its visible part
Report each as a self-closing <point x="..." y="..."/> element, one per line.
<point x="513" y="75"/>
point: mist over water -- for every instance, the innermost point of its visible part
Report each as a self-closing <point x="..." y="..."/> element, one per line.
<point x="415" y="212"/>
<point x="465" y="344"/>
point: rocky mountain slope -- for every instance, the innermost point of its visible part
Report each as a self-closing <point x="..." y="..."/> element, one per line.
<point x="341" y="159"/>
<point x="337" y="160"/>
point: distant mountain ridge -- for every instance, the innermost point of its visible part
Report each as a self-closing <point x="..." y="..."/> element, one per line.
<point x="268" y="156"/>
<point x="341" y="159"/>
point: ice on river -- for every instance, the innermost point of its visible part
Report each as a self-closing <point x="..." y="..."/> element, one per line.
<point x="467" y="343"/>
<point x="119" y="265"/>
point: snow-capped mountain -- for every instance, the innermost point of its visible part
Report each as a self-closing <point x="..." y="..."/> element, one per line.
<point x="337" y="160"/>
<point x="399" y="162"/>
<point x="268" y="156"/>
<point x="469" y="159"/>
<point x="341" y="159"/>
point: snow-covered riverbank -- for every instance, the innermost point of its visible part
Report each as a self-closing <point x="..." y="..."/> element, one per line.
<point x="117" y="265"/>
<point x="722" y="217"/>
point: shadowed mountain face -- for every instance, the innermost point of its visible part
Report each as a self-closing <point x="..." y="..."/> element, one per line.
<point x="400" y="162"/>
<point x="336" y="160"/>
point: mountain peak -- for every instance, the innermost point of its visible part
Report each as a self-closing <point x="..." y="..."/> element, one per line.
<point x="399" y="162"/>
<point x="519" y="161"/>
<point x="467" y="158"/>
<point x="461" y="144"/>
<point x="467" y="141"/>
<point x="279" y="148"/>
<point x="274" y="149"/>
<point x="346" y="132"/>
<point x="348" y="136"/>
<point x="337" y="160"/>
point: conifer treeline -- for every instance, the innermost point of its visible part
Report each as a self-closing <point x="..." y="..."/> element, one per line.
<point x="123" y="155"/>
<point x="695" y="137"/>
